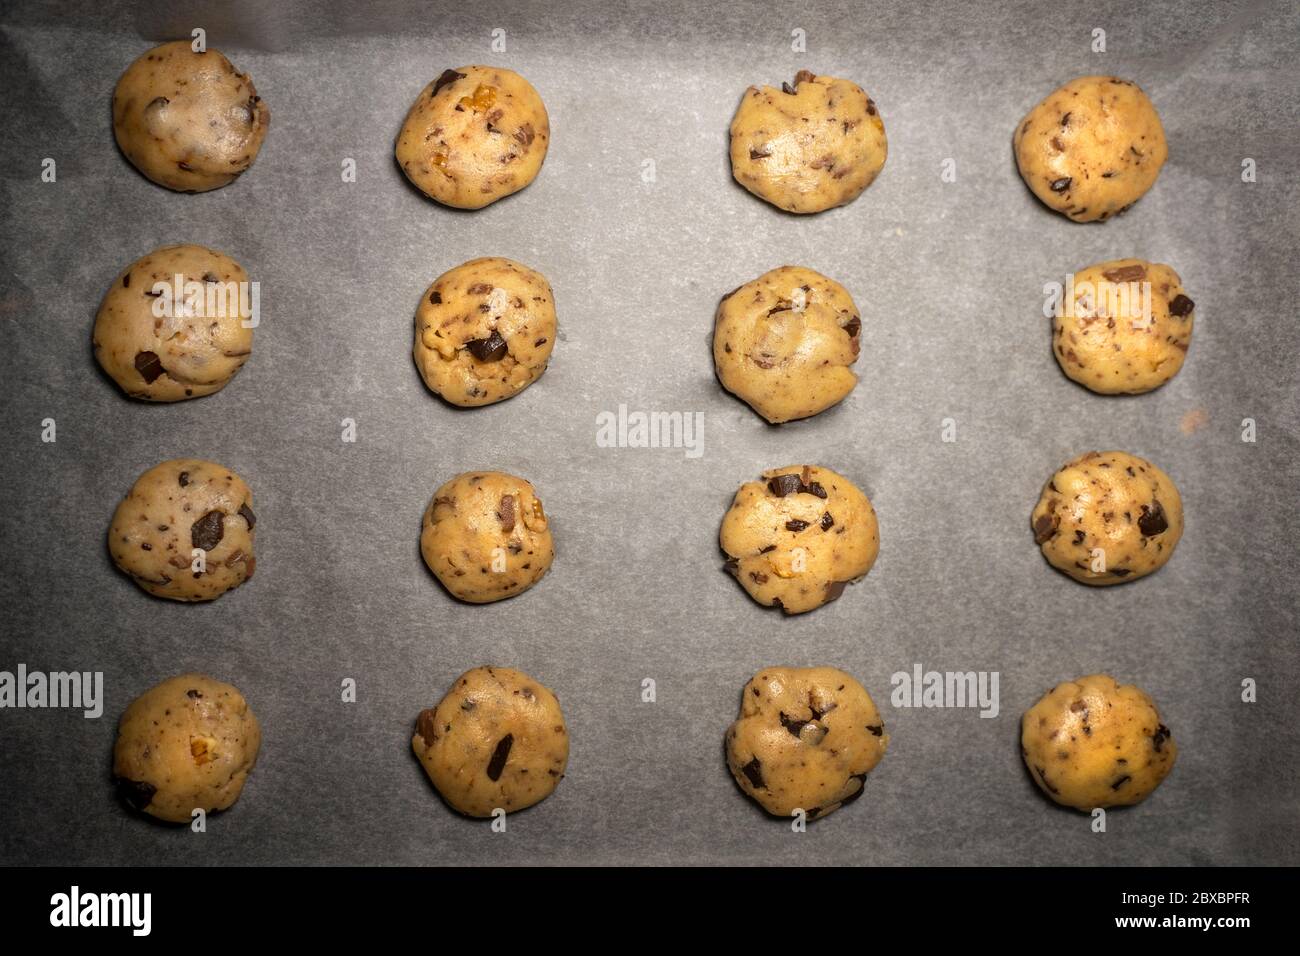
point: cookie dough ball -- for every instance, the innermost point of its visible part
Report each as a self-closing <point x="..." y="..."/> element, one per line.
<point x="187" y="744"/>
<point x="188" y="121"/>
<point x="798" y="536"/>
<point x="1092" y="148"/>
<point x="809" y="146"/>
<point x="474" y="135"/>
<point x="175" y="508"/>
<point x="1125" y="329"/>
<point x="496" y="741"/>
<point x="163" y="347"/>
<point x="1093" y="743"/>
<point x="1108" y="517"/>
<point x="486" y="536"/>
<point x="785" y="342"/>
<point x="484" y="331"/>
<point x="806" y="738"/>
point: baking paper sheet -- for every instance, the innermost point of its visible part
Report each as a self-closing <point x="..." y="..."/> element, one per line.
<point x="640" y="229"/>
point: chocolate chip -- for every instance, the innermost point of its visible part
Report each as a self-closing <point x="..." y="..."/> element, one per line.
<point x="499" y="756"/>
<point x="506" y="513"/>
<point x="448" y="77"/>
<point x="876" y="729"/>
<point x="759" y="154"/>
<point x="193" y="694"/>
<point x="753" y="771"/>
<point x="834" y="589"/>
<point x="768" y="549"/>
<point x="1120" y="782"/>
<point x="149" y="365"/>
<point x="426" y="726"/>
<point x="853" y="327"/>
<point x="183" y="478"/>
<point x="783" y="485"/>
<point x="135" y="793"/>
<point x="732" y="565"/>
<point x="525" y="134"/>
<point x="1181" y="306"/>
<point x="1045" y="527"/>
<point x="246" y="513"/>
<point x="1160" y="736"/>
<point x="1065" y="120"/>
<point x="1131" y="273"/>
<point x="787" y="88"/>
<point x="1152" y="521"/>
<point x="126" y="281"/>
<point x="1062" y="184"/>
<point x="211" y="277"/>
<point x="1121" y="572"/>
<point x="795" y="525"/>
<point x="206" y="533"/>
<point x="490" y="349"/>
<point x="827" y="521"/>
<point x="794" y="726"/>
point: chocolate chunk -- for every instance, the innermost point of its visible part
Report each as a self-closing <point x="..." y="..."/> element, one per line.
<point x="834" y="589"/>
<point x="1181" y="306"/>
<point x="804" y="76"/>
<point x="506" y="513"/>
<point x="853" y="327"/>
<point x="211" y="277"/>
<point x="753" y="772"/>
<point x="815" y="488"/>
<point x="1062" y="184"/>
<point x="827" y="521"/>
<point x="787" y="88"/>
<point x="499" y="756"/>
<point x="525" y="135"/>
<point x="126" y="281"/>
<point x="731" y="564"/>
<point x="149" y="365"/>
<point x="246" y="513"/>
<point x="183" y="478"/>
<point x="193" y="694"/>
<point x="1152" y="521"/>
<point x="768" y="549"/>
<point x="795" y="525"/>
<point x="435" y="298"/>
<point x="1045" y="527"/>
<point x="794" y="726"/>
<point x="1065" y="120"/>
<point x="206" y="533"/>
<point x="426" y="726"/>
<point x="1121" y="572"/>
<point x="448" y="77"/>
<point x="783" y="485"/>
<point x="1160" y="736"/>
<point x="1131" y="273"/>
<point x="490" y="349"/>
<point x="1120" y="782"/>
<point x="876" y="730"/>
<point x="759" y="154"/>
<point x="135" y="793"/>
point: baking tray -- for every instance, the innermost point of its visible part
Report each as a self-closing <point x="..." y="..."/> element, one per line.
<point x="948" y="276"/>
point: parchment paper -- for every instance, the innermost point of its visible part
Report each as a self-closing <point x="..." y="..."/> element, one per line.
<point x="949" y="278"/>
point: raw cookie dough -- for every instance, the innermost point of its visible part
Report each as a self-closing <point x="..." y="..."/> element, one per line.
<point x="809" y="146"/>
<point x="188" y="121"/>
<point x="162" y="348"/>
<point x="188" y="743"/>
<point x="486" y="536"/>
<point x="484" y="331"/>
<point x="1093" y="743"/>
<point x="1118" y="503"/>
<point x="174" y="508"/>
<point x="497" y="740"/>
<point x="474" y="135"/>
<point x="1126" y="328"/>
<point x="1092" y="148"/>
<point x="784" y="343"/>
<point x="798" y="536"/>
<point x="806" y="738"/>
